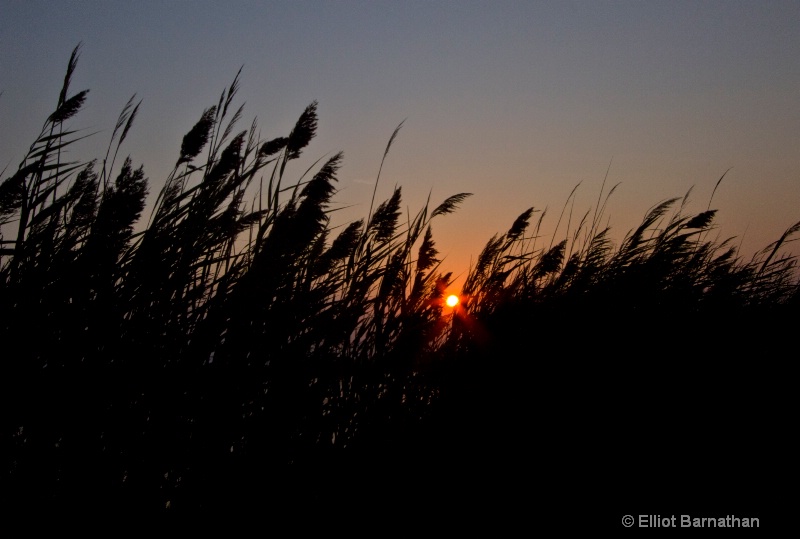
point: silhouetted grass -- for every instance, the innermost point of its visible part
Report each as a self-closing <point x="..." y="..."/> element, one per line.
<point x="238" y="348"/>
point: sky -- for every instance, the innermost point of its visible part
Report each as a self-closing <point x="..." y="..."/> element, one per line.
<point x="517" y="103"/>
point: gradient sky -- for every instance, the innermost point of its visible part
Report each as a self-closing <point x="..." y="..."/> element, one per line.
<point x="516" y="102"/>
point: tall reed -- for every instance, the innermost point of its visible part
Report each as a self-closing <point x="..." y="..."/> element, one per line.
<point x="238" y="335"/>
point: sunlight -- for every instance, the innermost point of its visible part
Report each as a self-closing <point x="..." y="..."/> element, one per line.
<point x="452" y="300"/>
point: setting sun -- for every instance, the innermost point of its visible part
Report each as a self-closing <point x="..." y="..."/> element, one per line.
<point x="452" y="300"/>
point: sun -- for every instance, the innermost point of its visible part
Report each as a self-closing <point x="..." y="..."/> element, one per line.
<point x="452" y="300"/>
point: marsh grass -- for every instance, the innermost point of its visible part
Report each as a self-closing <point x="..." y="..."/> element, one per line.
<point x="238" y="338"/>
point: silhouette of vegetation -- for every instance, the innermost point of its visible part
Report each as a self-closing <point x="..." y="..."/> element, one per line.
<point x="238" y="349"/>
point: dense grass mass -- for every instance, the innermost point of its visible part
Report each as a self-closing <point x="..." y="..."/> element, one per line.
<point x="235" y="350"/>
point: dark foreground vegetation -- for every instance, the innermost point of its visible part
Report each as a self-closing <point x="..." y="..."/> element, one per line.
<point x="235" y="351"/>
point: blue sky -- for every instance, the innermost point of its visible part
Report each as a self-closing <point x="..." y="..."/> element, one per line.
<point x="516" y="102"/>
